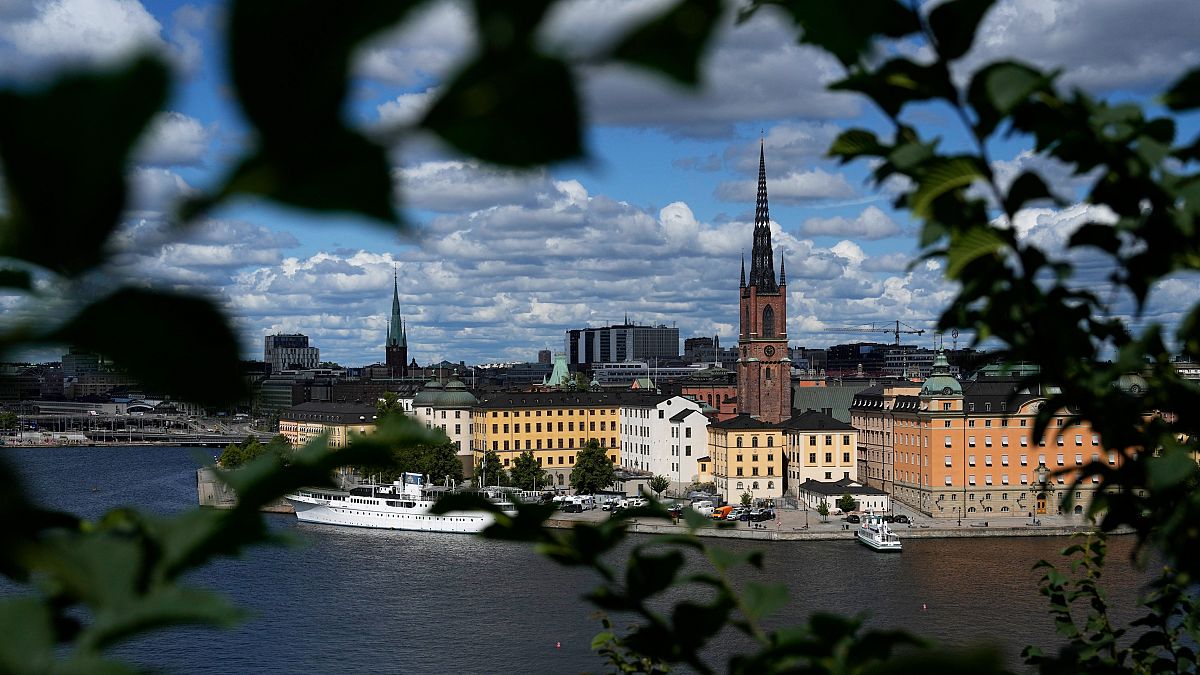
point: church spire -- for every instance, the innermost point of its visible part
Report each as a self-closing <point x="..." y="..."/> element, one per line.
<point x="396" y="336"/>
<point x="762" y="258"/>
<point x="782" y="271"/>
<point x="743" y="284"/>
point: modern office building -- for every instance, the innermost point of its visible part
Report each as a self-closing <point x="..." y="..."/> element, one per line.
<point x="624" y="342"/>
<point x="289" y="352"/>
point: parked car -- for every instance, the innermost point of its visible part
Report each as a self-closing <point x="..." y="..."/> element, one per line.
<point x="853" y="519"/>
<point x="888" y="518"/>
<point x="902" y="519"/>
<point x="676" y="511"/>
<point x="572" y="507"/>
<point x="736" y="513"/>
<point x="721" y="513"/>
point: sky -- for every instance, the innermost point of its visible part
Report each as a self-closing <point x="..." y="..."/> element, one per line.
<point x="651" y="226"/>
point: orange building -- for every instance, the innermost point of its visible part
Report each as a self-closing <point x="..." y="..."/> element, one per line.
<point x="965" y="450"/>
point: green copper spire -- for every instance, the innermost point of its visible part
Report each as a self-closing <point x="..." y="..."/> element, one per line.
<point x="396" y="335"/>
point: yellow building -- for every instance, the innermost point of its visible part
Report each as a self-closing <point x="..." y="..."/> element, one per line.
<point x="819" y="448"/>
<point x="302" y="423"/>
<point x="747" y="457"/>
<point x="967" y="450"/>
<point x="551" y="425"/>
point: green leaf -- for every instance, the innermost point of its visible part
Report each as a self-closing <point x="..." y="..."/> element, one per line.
<point x="1169" y="469"/>
<point x="169" y="606"/>
<point x="601" y="639"/>
<point x="761" y="600"/>
<point x="1185" y="93"/>
<point x="899" y="82"/>
<point x="648" y="574"/>
<point x="143" y="331"/>
<point x="974" y="244"/>
<point x="488" y="110"/>
<point x="695" y="520"/>
<point x="954" y="24"/>
<point x="1026" y="188"/>
<point x="998" y="88"/>
<point x="847" y="29"/>
<point x="673" y="42"/>
<point x="854" y="143"/>
<point x="65" y="151"/>
<point x="26" y="636"/>
<point x="941" y="175"/>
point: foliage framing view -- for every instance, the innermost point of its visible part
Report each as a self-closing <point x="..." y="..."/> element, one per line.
<point x="64" y="176"/>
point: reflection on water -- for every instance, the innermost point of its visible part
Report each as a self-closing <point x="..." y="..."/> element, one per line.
<point x="357" y="600"/>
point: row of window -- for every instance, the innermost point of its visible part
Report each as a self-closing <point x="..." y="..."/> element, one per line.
<point x="537" y="444"/>
<point x="536" y="427"/>
<point x="551" y="413"/>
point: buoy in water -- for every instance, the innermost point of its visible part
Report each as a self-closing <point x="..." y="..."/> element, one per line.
<point x="558" y="645"/>
<point x="924" y="607"/>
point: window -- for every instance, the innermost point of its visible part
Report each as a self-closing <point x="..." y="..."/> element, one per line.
<point x="947" y="480"/>
<point x="828" y="440"/>
<point x="812" y="458"/>
<point x="812" y="440"/>
<point x="687" y="432"/>
<point x="970" y="441"/>
<point x="846" y="439"/>
<point x="1060" y="459"/>
<point x="946" y="406"/>
<point x="770" y="441"/>
<point x="1003" y="460"/>
<point x="1004" y="481"/>
<point x="739" y="471"/>
<point x="947" y="441"/>
<point x="1024" y="440"/>
<point x="987" y="460"/>
<point x="1004" y="441"/>
<point x="829" y="458"/>
<point x="987" y="480"/>
<point x="845" y="458"/>
<point x="948" y="460"/>
<point x="971" y="479"/>
<point x="970" y="460"/>
<point x="1078" y="459"/>
<point x="987" y="441"/>
<point x="1024" y="460"/>
<point x="754" y="441"/>
<point x="740" y="485"/>
<point x="739" y="441"/>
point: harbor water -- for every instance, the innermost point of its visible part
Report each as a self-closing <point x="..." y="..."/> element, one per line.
<point x="354" y="600"/>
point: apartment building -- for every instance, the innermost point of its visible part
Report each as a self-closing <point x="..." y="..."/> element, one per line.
<point x="664" y="436"/>
<point x="747" y="457"/>
<point x="304" y="422"/>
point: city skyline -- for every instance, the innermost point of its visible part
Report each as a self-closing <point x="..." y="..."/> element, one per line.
<point x="652" y="227"/>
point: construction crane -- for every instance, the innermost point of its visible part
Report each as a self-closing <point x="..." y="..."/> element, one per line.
<point x="897" y="331"/>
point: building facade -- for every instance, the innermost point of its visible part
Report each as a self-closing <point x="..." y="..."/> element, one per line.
<point x="304" y="422"/>
<point x="552" y="425"/>
<point x="624" y="342"/>
<point x="664" y="436"/>
<point x="965" y="450"/>
<point x="819" y="449"/>
<point x="764" y="367"/>
<point x="289" y="352"/>
<point x="747" y="456"/>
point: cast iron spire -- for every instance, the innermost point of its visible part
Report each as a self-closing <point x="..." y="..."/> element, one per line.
<point x="743" y="284"/>
<point x="762" y="258"/>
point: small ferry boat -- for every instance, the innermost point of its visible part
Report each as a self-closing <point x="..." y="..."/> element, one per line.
<point x="874" y="532"/>
<point x="403" y="505"/>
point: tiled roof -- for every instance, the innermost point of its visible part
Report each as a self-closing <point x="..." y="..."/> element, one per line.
<point x="333" y="413"/>
<point x="815" y="421"/>
<point x="569" y="399"/>
<point x="744" y="421"/>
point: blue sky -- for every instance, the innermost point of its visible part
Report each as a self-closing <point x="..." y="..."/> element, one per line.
<point x="652" y="225"/>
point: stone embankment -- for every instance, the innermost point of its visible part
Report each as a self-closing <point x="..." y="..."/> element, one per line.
<point x="213" y="493"/>
<point x="791" y="526"/>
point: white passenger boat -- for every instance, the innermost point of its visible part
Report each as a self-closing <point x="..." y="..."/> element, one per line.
<point x="403" y="505"/>
<point x="874" y="532"/>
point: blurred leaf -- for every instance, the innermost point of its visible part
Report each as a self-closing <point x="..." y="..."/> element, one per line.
<point x="846" y="30"/>
<point x="168" y="606"/>
<point x="1026" y="188"/>
<point x="144" y="331"/>
<point x="899" y="82"/>
<point x="762" y="600"/>
<point x="290" y="71"/>
<point x="1169" y="469"/>
<point x="26" y="636"/>
<point x="941" y="175"/>
<point x="954" y="23"/>
<point x="996" y="90"/>
<point x="673" y="42"/>
<point x="853" y="143"/>
<point x="648" y="574"/>
<point x="1100" y="235"/>
<point x="970" y="246"/>
<point x="65" y="151"/>
<point x="487" y="110"/>
<point x="10" y="278"/>
<point x="1185" y="93"/>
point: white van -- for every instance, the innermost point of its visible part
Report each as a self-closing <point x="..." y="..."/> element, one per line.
<point x="587" y="502"/>
<point x="703" y="507"/>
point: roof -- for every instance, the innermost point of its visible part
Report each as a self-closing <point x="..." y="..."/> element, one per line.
<point x="743" y="421"/>
<point x="839" y="488"/>
<point x="837" y="398"/>
<point x="453" y="394"/>
<point x="568" y="399"/>
<point x="333" y="413"/>
<point x="815" y="421"/>
<point x="681" y="415"/>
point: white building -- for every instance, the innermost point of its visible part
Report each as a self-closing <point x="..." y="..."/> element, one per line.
<point x="664" y="436"/>
<point x="813" y="493"/>
<point x="448" y="407"/>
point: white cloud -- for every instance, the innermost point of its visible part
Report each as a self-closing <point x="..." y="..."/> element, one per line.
<point x="468" y="185"/>
<point x="794" y="188"/>
<point x="91" y="31"/>
<point x="156" y="191"/>
<point x="872" y="223"/>
<point x="173" y="139"/>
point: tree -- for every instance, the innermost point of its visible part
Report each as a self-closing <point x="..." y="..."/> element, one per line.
<point x="823" y="510"/>
<point x="490" y="469"/>
<point x="441" y="461"/>
<point x="658" y="484"/>
<point x="593" y="470"/>
<point x="526" y="473"/>
<point x="747" y="498"/>
<point x="389" y="404"/>
<point x="847" y="504"/>
<point x="8" y="421"/>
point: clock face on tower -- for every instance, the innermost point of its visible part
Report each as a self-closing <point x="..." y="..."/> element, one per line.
<point x="769" y="350"/>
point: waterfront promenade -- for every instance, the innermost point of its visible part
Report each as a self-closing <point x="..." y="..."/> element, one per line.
<point x="796" y="525"/>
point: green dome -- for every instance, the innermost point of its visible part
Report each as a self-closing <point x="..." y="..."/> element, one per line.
<point x="941" y="382"/>
<point x="453" y="395"/>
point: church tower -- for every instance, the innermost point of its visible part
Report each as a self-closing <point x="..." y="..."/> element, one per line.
<point x="764" y="369"/>
<point x="396" y="347"/>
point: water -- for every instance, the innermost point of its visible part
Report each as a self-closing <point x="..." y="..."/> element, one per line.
<point x="355" y="600"/>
